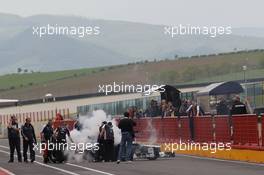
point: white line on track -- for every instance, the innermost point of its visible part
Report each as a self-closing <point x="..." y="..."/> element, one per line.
<point x="4" y="146"/>
<point x="48" y="166"/>
<point x="90" y="169"/>
<point x="6" y="171"/>
<point x="220" y="160"/>
<point x="55" y="168"/>
<point x="70" y="164"/>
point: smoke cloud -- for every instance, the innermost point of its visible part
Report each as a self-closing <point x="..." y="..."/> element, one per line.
<point x="89" y="133"/>
<point x="153" y="133"/>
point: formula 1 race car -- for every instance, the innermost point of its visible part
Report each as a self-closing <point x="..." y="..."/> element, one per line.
<point x="150" y="152"/>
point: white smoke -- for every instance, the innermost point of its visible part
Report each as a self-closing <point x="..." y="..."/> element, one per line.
<point x="90" y="131"/>
<point x="153" y="133"/>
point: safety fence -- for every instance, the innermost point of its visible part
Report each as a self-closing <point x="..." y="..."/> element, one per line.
<point x="222" y="129"/>
<point x="184" y="130"/>
<point x="39" y="116"/>
<point x="243" y="131"/>
<point x="203" y="129"/>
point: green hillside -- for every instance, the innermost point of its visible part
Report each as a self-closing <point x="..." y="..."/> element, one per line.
<point x="13" y="81"/>
<point x="188" y="70"/>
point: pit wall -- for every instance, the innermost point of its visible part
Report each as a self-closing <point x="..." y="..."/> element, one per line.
<point x="243" y="132"/>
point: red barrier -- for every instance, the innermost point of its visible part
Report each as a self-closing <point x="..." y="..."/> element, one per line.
<point x="184" y="130"/>
<point x="245" y="129"/>
<point x="203" y="129"/>
<point x="142" y="131"/>
<point x="169" y="129"/>
<point x="222" y="129"/>
<point x="157" y="130"/>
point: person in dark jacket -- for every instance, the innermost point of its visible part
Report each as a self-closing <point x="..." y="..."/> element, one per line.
<point x="101" y="152"/>
<point x="107" y="135"/>
<point x="238" y="107"/>
<point x="191" y="114"/>
<point x="29" y="139"/>
<point x="153" y="110"/>
<point x="46" y="136"/>
<point x="222" y="107"/>
<point x="14" y="139"/>
<point x="126" y="125"/>
<point x="183" y="108"/>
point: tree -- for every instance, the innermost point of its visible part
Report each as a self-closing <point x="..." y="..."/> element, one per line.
<point x="25" y="70"/>
<point x="19" y="70"/>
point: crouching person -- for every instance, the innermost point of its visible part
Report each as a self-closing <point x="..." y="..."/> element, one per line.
<point x="29" y="139"/>
<point x="61" y="132"/>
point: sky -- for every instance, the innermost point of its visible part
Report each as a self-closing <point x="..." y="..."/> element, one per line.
<point x="236" y="13"/>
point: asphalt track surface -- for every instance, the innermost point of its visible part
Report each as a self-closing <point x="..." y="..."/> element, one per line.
<point x="182" y="165"/>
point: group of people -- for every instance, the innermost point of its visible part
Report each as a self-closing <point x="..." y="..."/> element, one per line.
<point x="167" y="109"/>
<point x="106" y="142"/>
<point x="55" y="137"/>
<point x="191" y="108"/>
<point x="28" y="136"/>
<point x="107" y="151"/>
<point x="233" y="108"/>
<point x="164" y="109"/>
<point x="27" y="131"/>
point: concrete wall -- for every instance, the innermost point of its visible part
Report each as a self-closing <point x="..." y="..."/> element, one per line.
<point x="69" y="104"/>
